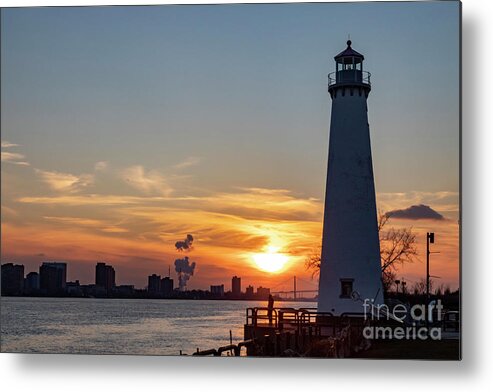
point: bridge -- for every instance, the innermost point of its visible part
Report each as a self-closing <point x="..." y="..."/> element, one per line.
<point x="309" y="291"/>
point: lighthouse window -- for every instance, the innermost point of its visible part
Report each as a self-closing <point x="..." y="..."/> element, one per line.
<point x="346" y="288"/>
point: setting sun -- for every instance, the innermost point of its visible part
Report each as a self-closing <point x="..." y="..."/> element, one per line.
<point x="270" y="261"/>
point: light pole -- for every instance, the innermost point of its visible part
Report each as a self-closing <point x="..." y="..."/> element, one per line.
<point x="397" y="282"/>
<point x="430" y="239"/>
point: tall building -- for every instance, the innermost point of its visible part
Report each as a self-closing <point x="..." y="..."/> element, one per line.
<point x="52" y="278"/>
<point x="167" y="287"/>
<point x="105" y="276"/>
<point x="12" y="279"/>
<point x="154" y="284"/>
<point x="236" y="285"/>
<point x="350" y="262"/>
<point x="31" y="283"/>
<point x="263" y="292"/>
<point x="249" y="291"/>
<point x="217" y="290"/>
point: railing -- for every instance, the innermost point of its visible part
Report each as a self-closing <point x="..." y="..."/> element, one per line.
<point x="349" y="77"/>
<point x="264" y="316"/>
<point x="282" y="319"/>
<point x="303" y="332"/>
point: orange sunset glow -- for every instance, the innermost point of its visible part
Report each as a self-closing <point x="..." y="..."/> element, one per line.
<point x="263" y="235"/>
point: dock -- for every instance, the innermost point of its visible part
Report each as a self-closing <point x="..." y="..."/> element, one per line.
<point x="289" y="332"/>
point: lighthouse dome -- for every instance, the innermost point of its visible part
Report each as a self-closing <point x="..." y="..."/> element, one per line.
<point x="349" y="55"/>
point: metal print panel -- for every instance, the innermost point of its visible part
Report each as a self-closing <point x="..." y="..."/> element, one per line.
<point x="274" y="180"/>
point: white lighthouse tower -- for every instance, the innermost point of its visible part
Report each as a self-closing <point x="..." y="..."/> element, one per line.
<point x="350" y="263"/>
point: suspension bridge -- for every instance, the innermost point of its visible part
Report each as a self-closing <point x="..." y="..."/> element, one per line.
<point x="307" y="289"/>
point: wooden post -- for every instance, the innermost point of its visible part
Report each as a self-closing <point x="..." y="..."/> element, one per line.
<point x="267" y="344"/>
<point x="288" y="340"/>
<point x="278" y="344"/>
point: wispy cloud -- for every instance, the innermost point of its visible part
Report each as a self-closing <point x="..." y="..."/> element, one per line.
<point x="101" y="166"/>
<point x="190" y="161"/>
<point x="65" y="182"/>
<point x="14" y="158"/>
<point x="95" y="199"/>
<point x="228" y="227"/>
<point x="86" y="222"/>
<point x="149" y="182"/>
<point x="6" y="144"/>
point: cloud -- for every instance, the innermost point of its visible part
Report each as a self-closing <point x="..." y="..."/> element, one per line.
<point x="7" y="211"/>
<point x="446" y="202"/>
<point x="101" y="166"/>
<point x="416" y="212"/>
<point x="85" y="222"/>
<point x="14" y="158"/>
<point x="148" y="182"/>
<point x="89" y="199"/>
<point x="65" y="182"/>
<point x="6" y="144"/>
<point x="232" y="224"/>
<point x="190" y="161"/>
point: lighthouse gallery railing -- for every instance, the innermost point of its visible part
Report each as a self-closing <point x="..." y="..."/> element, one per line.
<point x="349" y="76"/>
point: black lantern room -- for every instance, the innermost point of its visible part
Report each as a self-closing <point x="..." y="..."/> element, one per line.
<point x="349" y="69"/>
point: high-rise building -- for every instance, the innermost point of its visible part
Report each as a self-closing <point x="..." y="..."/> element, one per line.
<point x="154" y="284"/>
<point x="350" y="262"/>
<point x="217" y="290"/>
<point x="249" y="291"/>
<point x="74" y="289"/>
<point x="105" y="276"/>
<point x="12" y="279"/>
<point x="236" y="285"/>
<point x="31" y="283"/>
<point x="52" y="278"/>
<point x="263" y="292"/>
<point x="167" y="287"/>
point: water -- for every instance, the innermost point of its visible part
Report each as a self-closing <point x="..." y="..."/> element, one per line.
<point x="121" y="326"/>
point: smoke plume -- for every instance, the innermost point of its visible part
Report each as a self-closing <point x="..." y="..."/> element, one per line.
<point x="185" y="270"/>
<point x="185" y="244"/>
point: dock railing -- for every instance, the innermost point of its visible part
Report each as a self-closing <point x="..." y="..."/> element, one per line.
<point x="304" y="319"/>
<point x="296" y="332"/>
<point x="290" y="319"/>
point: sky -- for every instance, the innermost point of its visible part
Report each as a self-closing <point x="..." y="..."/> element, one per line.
<point x="126" y="128"/>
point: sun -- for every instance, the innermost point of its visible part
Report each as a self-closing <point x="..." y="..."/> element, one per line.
<point x="270" y="261"/>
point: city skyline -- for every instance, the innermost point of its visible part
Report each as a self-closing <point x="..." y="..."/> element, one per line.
<point x="116" y="144"/>
<point x="51" y="280"/>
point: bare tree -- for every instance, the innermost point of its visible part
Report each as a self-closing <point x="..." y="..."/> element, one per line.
<point x="420" y="287"/>
<point x="397" y="247"/>
<point x="313" y="261"/>
<point x="388" y="279"/>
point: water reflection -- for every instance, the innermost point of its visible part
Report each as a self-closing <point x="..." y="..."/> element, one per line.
<point x="121" y="326"/>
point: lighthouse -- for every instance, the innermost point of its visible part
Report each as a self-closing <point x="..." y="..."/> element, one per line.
<point x="350" y="269"/>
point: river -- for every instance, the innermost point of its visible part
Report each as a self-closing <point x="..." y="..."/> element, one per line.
<point x="121" y="326"/>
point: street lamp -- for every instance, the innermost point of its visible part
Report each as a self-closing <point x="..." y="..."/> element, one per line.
<point x="430" y="239"/>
